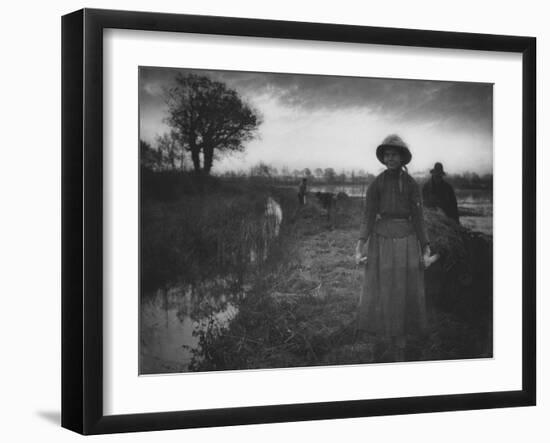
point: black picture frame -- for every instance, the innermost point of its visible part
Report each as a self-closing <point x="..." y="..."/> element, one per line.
<point x="82" y="218"/>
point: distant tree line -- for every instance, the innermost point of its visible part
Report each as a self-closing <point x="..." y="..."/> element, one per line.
<point x="266" y="172"/>
<point x="165" y="157"/>
<point x="470" y="180"/>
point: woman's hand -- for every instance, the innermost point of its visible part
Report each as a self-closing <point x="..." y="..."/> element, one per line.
<point x="427" y="258"/>
<point x="427" y="251"/>
<point x="360" y="257"/>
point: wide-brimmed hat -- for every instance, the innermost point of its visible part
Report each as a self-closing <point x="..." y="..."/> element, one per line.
<point x="395" y="142"/>
<point x="438" y="169"/>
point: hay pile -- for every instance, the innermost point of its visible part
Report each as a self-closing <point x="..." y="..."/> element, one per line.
<point x="447" y="238"/>
<point x="461" y="283"/>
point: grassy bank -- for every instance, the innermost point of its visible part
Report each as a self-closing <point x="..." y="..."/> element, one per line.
<point x="299" y="305"/>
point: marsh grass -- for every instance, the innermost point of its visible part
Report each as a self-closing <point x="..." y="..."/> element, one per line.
<point x="297" y="306"/>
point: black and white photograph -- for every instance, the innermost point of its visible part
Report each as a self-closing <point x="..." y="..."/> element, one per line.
<point x="292" y="220"/>
<point x="273" y="222"/>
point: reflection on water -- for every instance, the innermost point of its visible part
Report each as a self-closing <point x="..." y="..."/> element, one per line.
<point x="351" y="190"/>
<point x="168" y="320"/>
<point x="475" y="208"/>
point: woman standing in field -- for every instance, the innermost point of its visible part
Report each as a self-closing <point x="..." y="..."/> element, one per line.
<point x="392" y="239"/>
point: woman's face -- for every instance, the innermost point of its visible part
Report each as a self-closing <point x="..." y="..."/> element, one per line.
<point x="392" y="158"/>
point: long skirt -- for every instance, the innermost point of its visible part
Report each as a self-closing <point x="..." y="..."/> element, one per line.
<point x="392" y="301"/>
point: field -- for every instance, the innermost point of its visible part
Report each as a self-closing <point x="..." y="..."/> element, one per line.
<point x="227" y="298"/>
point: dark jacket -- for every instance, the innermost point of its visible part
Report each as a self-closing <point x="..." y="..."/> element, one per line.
<point x="440" y="195"/>
<point x="394" y="194"/>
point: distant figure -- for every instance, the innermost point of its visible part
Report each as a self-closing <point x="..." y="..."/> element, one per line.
<point x="437" y="193"/>
<point x="302" y="190"/>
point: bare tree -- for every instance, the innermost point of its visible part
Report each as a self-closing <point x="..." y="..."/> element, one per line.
<point x="171" y="151"/>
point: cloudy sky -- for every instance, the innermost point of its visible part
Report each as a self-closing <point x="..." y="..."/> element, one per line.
<point x="318" y="121"/>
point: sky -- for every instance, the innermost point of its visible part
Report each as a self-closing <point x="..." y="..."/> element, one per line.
<point x="318" y="121"/>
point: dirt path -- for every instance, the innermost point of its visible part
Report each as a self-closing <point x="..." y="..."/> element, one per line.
<point x="327" y="257"/>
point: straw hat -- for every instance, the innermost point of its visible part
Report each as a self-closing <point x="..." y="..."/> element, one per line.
<point x="395" y="142"/>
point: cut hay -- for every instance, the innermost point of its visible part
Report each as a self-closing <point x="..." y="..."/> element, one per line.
<point x="446" y="238"/>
